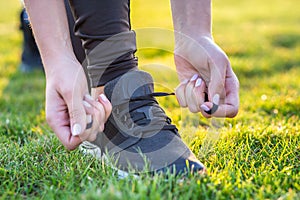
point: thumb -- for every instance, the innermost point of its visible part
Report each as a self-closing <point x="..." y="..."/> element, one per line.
<point x="216" y="87"/>
<point x="106" y="104"/>
<point x="76" y="113"/>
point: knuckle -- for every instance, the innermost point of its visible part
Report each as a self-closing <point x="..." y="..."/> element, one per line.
<point x="50" y="118"/>
<point x="233" y="113"/>
<point x="90" y="111"/>
<point x="66" y="92"/>
<point x="76" y="113"/>
<point x="193" y="109"/>
<point x="70" y="147"/>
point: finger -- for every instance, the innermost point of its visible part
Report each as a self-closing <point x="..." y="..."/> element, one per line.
<point x="102" y="104"/>
<point x="76" y="112"/>
<point x="228" y="107"/>
<point x="89" y="109"/>
<point x="190" y="95"/>
<point x="232" y="87"/>
<point x="61" y="127"/>
<point x="89" y="124"/>
<point x="99" y="117"/>
<point x="64" y="135"/>
<point x="59" y="120"/>
<point x="89" y="99"/>
<point x="209" y="108"/>
<point x="89" y="119"/>
<point x="95" y="124"/>
<point x="199" y="93"/>
<point x="180" y="93"/>
<point x="106" y="105"/>
<point x="217" y="79"/>
<point x="232" y="94"/>
<point x="89" y="114"/>
<point x="224" y="110"/>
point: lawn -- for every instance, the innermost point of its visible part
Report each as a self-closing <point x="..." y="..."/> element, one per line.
<point x="253" y="156"/>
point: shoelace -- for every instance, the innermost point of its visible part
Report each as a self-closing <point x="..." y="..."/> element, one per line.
<point x="148" y="100"/>
<point x="154" y="94"/>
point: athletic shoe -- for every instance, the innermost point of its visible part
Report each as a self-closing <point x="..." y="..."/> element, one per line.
<point x="138" y="136"/>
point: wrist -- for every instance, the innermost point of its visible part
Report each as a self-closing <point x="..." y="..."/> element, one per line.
<point x="189" y="43"/>
<point x="59" y="63"/>
<point x="192" y="35"/>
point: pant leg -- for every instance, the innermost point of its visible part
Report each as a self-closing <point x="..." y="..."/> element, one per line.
<point x="30" y="54"/>
<point x="104" y="27"/>
<point x="76" y="42"/>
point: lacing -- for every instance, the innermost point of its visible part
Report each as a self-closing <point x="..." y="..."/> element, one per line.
<point x="139" y="118"/>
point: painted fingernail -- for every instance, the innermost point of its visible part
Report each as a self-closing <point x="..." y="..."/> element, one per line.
<point x="205" y="108"/>
<point x="88" y="118"/>
<point x="76" y="130"/>
<point x="216" y="99"/>
<point x="103" y="97"/>
<point x="88" y="97"/>
<point x="194" y="77"/>
<point x="198" y="82"/>
<point x="86" y="104"/>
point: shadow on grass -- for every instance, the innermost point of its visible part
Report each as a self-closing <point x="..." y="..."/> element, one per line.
<point x="290" y="40"/>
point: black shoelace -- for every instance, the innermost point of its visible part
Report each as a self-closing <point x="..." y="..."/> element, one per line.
<point x="148" y="100"/>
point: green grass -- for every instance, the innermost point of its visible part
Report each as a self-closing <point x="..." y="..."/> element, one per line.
<point x="254" y="156"/>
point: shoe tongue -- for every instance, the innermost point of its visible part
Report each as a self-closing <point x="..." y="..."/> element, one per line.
<point x="131" y="85"/>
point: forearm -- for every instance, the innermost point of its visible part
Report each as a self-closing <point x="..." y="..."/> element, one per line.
<point x="50" y="27"/>
<point x="192" y="17"/>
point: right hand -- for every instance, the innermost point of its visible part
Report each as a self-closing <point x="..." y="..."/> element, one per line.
<point x="66" y="114"/>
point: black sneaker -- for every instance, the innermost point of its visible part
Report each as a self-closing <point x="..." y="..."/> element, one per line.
<point x="138" y="135"/>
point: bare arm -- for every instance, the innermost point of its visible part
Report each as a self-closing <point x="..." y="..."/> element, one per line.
<point x="192" y="17"/>
<point x="50" y="27"/>
<point x="67" y="93"/>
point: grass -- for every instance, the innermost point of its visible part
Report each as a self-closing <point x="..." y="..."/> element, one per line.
<point x="254" y="156"/>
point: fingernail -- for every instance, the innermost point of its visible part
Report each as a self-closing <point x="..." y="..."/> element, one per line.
<point x="198" y="82"/>
<point x="86" y="104"/>
<point x="205" y="108"/>
<point x="103" y="97"/>
<point x="194" y="77"/>
<point x="88" y="118"/>
<point x="216" y="99"/>
<point x="76" y="130"/>
<point x="88" y="97"/>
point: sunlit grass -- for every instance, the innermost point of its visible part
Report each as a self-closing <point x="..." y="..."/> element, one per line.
<point x="254" y="156"/>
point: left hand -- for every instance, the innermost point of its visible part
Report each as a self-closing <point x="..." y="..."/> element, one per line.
<point x="203" y="67"/>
